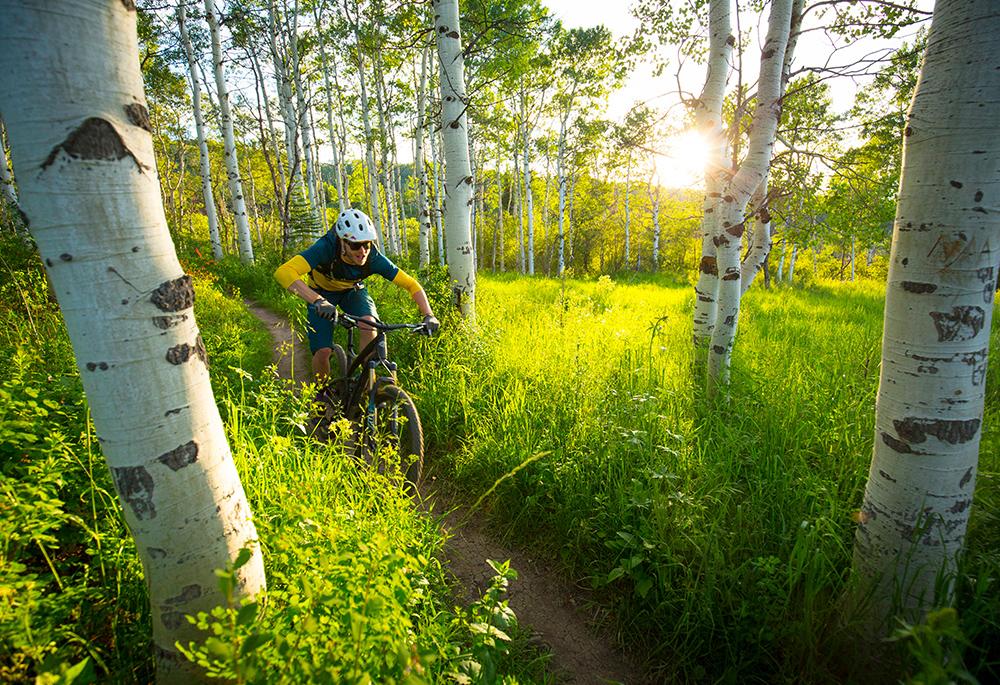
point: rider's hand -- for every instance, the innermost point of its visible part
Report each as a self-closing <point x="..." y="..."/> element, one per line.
<point x="431" y="324"/>
<point x="325" y="310"/>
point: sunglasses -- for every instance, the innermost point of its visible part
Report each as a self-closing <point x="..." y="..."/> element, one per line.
<point x="357" y="246"/>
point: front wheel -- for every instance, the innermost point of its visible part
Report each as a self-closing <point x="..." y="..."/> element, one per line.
<point x="397" y="442"/>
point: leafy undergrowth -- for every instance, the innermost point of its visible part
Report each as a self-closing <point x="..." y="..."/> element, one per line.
<point x="356" y="592"/>
<point x="718" y="535"/>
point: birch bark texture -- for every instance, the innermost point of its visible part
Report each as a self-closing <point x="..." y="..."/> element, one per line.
<point x="731" y="207"/>
<point x="458" y="176"/>
<point x="938" y="312"/>
<point x="72" y="93"/>
<point x="708" y="119"/>
<point x="199" y="128"/>
<point x="229" y="139"/>
<point x="423" y="210"/>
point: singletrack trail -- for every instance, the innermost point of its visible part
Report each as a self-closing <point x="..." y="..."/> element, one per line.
<point x="546" y="604"/>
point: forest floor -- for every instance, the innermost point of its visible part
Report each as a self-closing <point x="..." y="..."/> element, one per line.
<point x="552" y="609"/>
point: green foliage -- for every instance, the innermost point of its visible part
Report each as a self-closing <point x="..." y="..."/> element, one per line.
<point x="720" y="536"/>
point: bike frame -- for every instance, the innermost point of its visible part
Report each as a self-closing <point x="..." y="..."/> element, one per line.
<point x="366" y="364"/>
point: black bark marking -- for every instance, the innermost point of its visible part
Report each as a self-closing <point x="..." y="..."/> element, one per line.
<point x="172" y="620"/>
<point x="764" y="216"/>
<point x="718" y="349"/>
<point x="165" y="322"/>
<point x="94" y="139"/>
<point x="737" y="230"/>
<point x="129" y="5"/>
<point x="178" y="354"/>
<point x="916" y="430"/>
<point x="906" y="260"/>
<point x="188" y="593"/>
<point x="989" y="282"/>
<point x="956" y="184"/>
<point x="135" y="249"/>
<point x="886" y="476"/>
<point x="94" y="366"/>
<point x="769" y="53"/>
<point x="896" y="445"/>
<point x="962" y="323"/>
<point x="981" y="210"/>
<point x="719" y="241"/>
<point x="157" y="553"/>
<point x="182" y="456"/>
<point x="66" y="257"/>
<point x="139" y="116"/>
<point x="978" y="197"/>
<point x="731" y="40"/>
<point x="966" y="478"/>
<point x="918" y="288"/>
<point x="453" y="34"/>
<point x="49" y="262"/>
<point x="728" y="198"/>
<point x="176" y="410"/>
<point x="960" y="506"/>
<point x="175" y="295"/>
<point x="135" y="486"/>
<point x="732" y="276"/>
<point x="908" y="131"/>
<point x="729" y="320"/>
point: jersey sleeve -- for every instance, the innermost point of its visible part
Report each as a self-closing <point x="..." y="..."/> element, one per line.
<point x="407" y="282"/>
<point x="381" y="265"/>
<point x="323" y="251"/>
<point x="291" y="271"/>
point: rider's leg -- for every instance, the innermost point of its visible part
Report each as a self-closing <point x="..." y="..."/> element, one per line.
<point x="366" y="333"/>
<point x="321" y="364"/>
<point x="359" y="303"/>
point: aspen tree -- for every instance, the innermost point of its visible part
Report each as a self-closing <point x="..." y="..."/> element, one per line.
<point x="458" y="179"/>
<point x="72" y="92"/>
<point x="199" y="127"/>
<point x="939" y="305"/>
<point x="229" y="139"/>
<point x="423" y="210"/>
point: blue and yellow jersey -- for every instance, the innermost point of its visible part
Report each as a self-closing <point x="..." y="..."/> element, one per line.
<point x="321" y="267"/>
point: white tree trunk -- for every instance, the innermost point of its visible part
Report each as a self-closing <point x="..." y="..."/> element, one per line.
<point x="654" y="202"/>
<point x="529" y="210"/>
<point x="781" y="264"/>
<point x="436" y="172"/>
<point x="938" y="313"/>
<point x="522" y="256"/>
<point x="374" y="210"/>
<point x="6" y="180"/>
<point x="423" y="210"/>
<point x="285" y="106"/>
<point x="229" y="140"/>
<point x="72" y="93"/>
<point x="384" y="177"/>
<point x="338" y="178"/>
<point x="737" y="192"/>
<point x="459" y="181"/>
<point x="628" y="210"/>
<point x="791" y="263"/>
<point x="199" y="127"/>
<point x="708" y="119"/>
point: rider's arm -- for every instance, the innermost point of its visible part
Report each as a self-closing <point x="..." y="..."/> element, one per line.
<point x="290" y="275"/>
<point x="410" y="285"/>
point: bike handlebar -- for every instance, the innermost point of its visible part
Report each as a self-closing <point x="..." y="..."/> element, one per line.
<point x="349" y="321"/>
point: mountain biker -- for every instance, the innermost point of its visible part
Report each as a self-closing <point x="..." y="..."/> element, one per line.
<point x="336" y="266"/>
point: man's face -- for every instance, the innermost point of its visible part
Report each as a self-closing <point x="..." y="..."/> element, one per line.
<point x="356" y="253"/>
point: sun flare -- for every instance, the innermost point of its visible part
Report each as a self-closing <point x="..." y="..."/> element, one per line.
<point x="681" y="164"/>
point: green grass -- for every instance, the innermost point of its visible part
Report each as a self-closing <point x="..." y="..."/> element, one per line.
<point x="719" y="535"/>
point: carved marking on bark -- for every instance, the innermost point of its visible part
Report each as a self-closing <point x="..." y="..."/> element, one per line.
<point x="165" y="322"/>
<point x="918" y="288"/>
<point x="139" y="116"/>
<point x="182" y="456"/>
<point x="956" y="184"/>
<point x="175" y="295"/>
<point x="962" y="323"/>
<point x="886" y="476"/>
<point x="94" y="139"/>
<point x="916" y="430"/>
<point x="135" y="486"/>
<point x="965" y="478"/>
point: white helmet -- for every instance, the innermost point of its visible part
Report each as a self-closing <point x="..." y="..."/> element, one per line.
<point x="354" y="225"/>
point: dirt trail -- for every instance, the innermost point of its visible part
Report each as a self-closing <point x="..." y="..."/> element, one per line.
<point x="543" y="602"/>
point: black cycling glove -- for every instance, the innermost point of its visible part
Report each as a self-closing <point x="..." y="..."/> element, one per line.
<point x="431" y="324"/>
<point x="325" y="310"/>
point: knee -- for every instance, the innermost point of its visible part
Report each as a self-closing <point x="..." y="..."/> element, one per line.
<point x="322" y="354"/>
<point x="367" y="320"/>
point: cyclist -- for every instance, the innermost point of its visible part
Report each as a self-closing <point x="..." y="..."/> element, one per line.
<point x="336" y="266"/>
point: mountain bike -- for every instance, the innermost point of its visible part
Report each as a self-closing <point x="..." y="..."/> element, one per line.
<point x="385" y="426"/>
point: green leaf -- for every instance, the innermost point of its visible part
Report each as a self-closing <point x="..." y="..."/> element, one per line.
<point x="616" y="573"/>
<point x="247" y="614"/>
<point x="242" y="557"/>
<point x="255" y="641"/>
